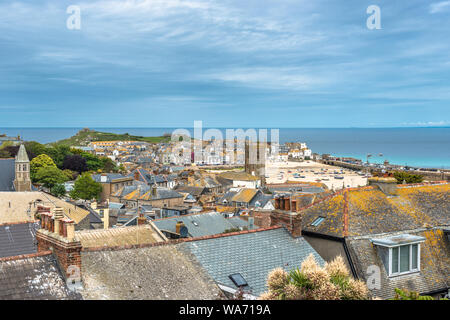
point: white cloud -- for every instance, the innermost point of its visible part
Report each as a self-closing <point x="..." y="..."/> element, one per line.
<point x="268" y="78"/>
<point x="439" y="6"/>
<point x="428" y="123"/>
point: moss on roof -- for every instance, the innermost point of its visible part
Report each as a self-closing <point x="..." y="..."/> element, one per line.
<point x="371" y="211"/>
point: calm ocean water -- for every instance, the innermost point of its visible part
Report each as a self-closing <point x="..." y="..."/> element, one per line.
<point x="424" y="147"/>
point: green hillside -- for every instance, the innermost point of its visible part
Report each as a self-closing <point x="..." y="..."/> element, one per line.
<point x="83" y="137"/>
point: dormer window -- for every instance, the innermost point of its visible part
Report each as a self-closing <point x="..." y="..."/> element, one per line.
<point x="400" y="254"/>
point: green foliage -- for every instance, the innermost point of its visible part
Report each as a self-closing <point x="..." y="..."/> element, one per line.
<point x="86" y="188"/>
<point x="71" y="175"/>
<point x="50" y="176"/>
<point x="234" y="230"/>
<point x="121" y="168"/>
<point x="35" y="147"/>
<point x="299" y="279"/>
<point x="41" y="161"/>
<point x="407" y="177"/>
<point x="410" y="295"/>
<point x="83" y="137"/>
<point x="58" y="190"/>
<point x="59" y="152"/>
<point x="4" y="154"/>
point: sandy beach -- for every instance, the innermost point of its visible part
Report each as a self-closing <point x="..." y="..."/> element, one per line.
<point x="311" y="171"/>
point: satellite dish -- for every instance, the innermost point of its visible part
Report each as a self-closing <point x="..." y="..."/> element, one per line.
<point x="183" y="232"/>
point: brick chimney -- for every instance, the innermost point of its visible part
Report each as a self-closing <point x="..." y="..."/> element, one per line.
<point x="141" y="219"/>
<point x="57" y="234"/>
<point x="136" y="175"/>
<point x="292" y="221"/>
<point x="277" y="203"/>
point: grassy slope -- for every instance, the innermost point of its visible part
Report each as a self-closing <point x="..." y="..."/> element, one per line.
<point x="83" y="137"/>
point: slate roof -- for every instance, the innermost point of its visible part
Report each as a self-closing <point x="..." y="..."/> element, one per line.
<point x="195" y="191"/>
<point x="109" y="177"/>
<point x="253" y="255"/>
<point x="227" y="196"/>
<point x="7" y="174"/>
<point x="237" y="222"/>
<point x="199" y="225"/>
<point x="157" y="273"/>
<point x="33" y="278"/>
<point x="370" y="211"/>
<point x="434" y="263"/>
<point x="18" y="239"/>
<point x="260" y="200"/>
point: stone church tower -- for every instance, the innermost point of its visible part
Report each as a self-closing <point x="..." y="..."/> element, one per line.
<point x="22" y="181"/>
<point x="255" y="159"/>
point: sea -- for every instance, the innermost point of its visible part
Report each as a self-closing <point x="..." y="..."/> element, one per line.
<point x="418" y="147"/>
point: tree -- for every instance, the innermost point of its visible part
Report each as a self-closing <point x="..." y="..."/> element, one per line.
<point x="50" y="176"/>
<point x="58" y="190"/>
<point x="122" y="168"/>
<point x="41" y="161"/>
<point x="35" y="148"/>
<point x="86" y="188"/>
<point x="93" y="162"/>
<point x="108" y="165"/>
<point x="4" y="154"/>
<point x="10" y="151"/>
<point x="312" y="282"/>
<point x="71" y="175"/>
<point x="58" y="154"/>
<point x="407" y="177"/>
<point x="75" y="162"/>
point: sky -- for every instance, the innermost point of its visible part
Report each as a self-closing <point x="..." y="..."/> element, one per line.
<point x="246" y="63"/>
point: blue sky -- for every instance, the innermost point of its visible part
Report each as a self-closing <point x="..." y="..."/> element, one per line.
<point x="252" y="63"/>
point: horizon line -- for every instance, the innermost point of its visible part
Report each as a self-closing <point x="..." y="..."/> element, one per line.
<point x="184" y="127"/>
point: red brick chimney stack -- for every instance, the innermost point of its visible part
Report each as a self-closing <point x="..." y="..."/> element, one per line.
<point x="57" y="234"/>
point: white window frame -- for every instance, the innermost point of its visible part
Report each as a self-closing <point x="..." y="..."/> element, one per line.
<point x="391" y="274"/>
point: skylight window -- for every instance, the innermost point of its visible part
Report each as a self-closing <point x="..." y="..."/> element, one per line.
<point x="238" y="280"/>
<point x="317" y="221"/>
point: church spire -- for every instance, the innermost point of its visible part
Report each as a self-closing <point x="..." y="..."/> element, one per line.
<point x="22" y="154"/>
<point x="22" y="181"/>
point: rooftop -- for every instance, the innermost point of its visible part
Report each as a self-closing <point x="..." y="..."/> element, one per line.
<point x="21" y="206"/>
<point x="434" y="272"/>
<point x="238" y="176"/>
<point x="120" y="236"/>
<point x="252" y="254"/>
<point x="33" y="277"/>
<point x="18" y="239"/>
<point x="370" y="211"/>
<point x="157" y="273"/>
<point x="198" y="225"/>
